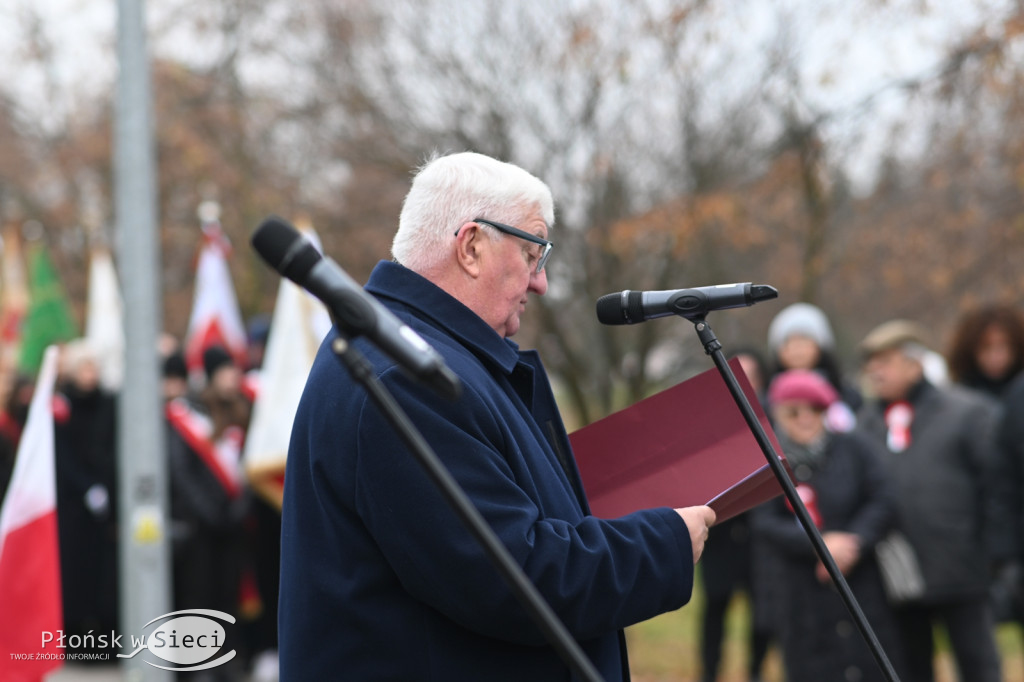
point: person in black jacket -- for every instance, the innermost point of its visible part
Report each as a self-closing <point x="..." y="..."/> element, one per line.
<point x="208" y="499"/>
<point x="208" y="504"/>
<point x="729" y="567"/>
<point x="12" y="421"/>
<point x="85" y="444"/>
<point x="841" y="480"/>
<point x="1008" y="591"/>
<point x="987" y="355"/>
<point x="938" y="451"/>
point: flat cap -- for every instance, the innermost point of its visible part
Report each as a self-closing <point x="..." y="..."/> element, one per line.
<point x="893" y="334"/>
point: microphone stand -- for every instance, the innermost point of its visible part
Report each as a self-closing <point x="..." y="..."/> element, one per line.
<point x="713" y="348"/>
<point x="525" y="591"/>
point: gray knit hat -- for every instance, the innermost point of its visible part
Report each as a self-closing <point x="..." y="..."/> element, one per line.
<point x="803" y="319"/>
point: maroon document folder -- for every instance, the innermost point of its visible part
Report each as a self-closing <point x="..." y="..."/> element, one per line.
<point x="687" y="445"/>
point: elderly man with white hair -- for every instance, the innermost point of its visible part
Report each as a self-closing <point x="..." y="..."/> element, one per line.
<point x="380" y="580"/>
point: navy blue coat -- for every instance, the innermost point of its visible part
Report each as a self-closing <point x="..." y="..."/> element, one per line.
<point x="381" y="581"/>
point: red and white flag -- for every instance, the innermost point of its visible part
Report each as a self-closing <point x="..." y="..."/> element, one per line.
<point x="216" y="318"/>
<point x="30" y="593"/>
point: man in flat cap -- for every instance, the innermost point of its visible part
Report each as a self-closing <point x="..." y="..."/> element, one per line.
<point x="938" y="449"/>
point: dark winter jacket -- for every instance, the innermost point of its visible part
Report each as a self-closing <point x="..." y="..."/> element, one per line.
<point x="944" y="483"/>
<point x="1009" y="477"/>
<point x="819" y="638"/>
<point x="381" y="581"/>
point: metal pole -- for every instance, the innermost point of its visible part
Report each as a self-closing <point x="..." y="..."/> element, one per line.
<point x="144" y="559"/>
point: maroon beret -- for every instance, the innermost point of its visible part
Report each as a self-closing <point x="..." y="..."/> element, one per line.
<point x="801" y="385"/>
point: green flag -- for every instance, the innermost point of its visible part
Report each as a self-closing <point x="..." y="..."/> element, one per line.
<point x="49" y="318"/>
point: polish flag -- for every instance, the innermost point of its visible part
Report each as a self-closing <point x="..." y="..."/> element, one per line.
<point x="216" y="318"/>
<point x="30" y="596"/>
<point x="299" y="325"/>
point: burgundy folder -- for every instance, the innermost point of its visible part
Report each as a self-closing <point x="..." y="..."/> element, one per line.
<point x="688" y="445"/>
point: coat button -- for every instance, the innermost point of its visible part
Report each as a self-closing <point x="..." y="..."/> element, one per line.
<point x="844" y="628"/>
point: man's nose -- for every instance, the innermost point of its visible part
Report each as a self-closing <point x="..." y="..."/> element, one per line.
<point x="539" y="282"/>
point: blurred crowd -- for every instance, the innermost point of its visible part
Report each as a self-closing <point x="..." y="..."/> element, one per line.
<point x="911" y="465"/>
<point x="224" y="538"/>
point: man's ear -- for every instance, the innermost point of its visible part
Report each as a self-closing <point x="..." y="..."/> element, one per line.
<point x="469" y="243"/>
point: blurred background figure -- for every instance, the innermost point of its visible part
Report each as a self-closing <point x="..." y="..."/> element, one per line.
<point x="841" y="480"/>
<point x="752" y="362"/>
<point x="937" y="445"/>
<point x="257" y="331"/>
<point x="727" y="568"/>
<point x="224" y="398"/>
<point x="262" y="534"/>
<point x="15" y="412"/>
<point x="1008" y="585"/>
<point x="987" y="352"/>
<point x="12" y="422"/>
<point x="86" y="467"/>
<point x="1002" y="345"/>
<point x="800" y="337"/>
<point x="174" y="380"/>
<point x="208" y="499"/>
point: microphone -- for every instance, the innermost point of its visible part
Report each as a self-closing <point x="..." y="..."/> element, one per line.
<point x="630" y="307"/>
<point x="354" y="310"/>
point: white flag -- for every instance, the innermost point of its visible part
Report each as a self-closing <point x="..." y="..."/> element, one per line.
<point x="299" y="324"/>
<point x="104" y="323"/>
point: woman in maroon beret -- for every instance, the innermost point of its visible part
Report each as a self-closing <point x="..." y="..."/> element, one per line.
<point x="841" y="481"/>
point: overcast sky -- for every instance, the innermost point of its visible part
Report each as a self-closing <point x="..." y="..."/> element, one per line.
<point x="847" y="49"/>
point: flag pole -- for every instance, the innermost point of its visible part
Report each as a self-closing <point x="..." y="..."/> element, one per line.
<point x="142" y="461"/>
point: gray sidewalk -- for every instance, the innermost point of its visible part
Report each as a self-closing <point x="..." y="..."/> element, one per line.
<point x="86" y="673"/>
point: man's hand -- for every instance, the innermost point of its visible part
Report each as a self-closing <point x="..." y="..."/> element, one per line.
<point x="844" y="548"/>
<point x="698" y="521"/>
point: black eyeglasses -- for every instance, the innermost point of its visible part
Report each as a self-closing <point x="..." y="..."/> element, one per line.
<point x="545" y="251"/>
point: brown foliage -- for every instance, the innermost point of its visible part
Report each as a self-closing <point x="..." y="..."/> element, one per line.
<point x="703" y="199"/>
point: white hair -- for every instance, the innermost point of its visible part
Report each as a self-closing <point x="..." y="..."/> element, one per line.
<point x="78" y="352"/>
<point x="915" y="351"/>
<point x="451" y="190"/>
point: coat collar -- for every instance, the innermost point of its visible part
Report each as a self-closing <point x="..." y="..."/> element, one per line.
<point x="919" y="394"/>
<point x="423" y="298"/>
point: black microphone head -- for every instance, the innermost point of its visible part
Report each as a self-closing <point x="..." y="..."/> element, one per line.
<point x="762" y="292"/>
<point x="284" y="248"/>
<point x="609" y="309"/>
<point x="624" y="307"/>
